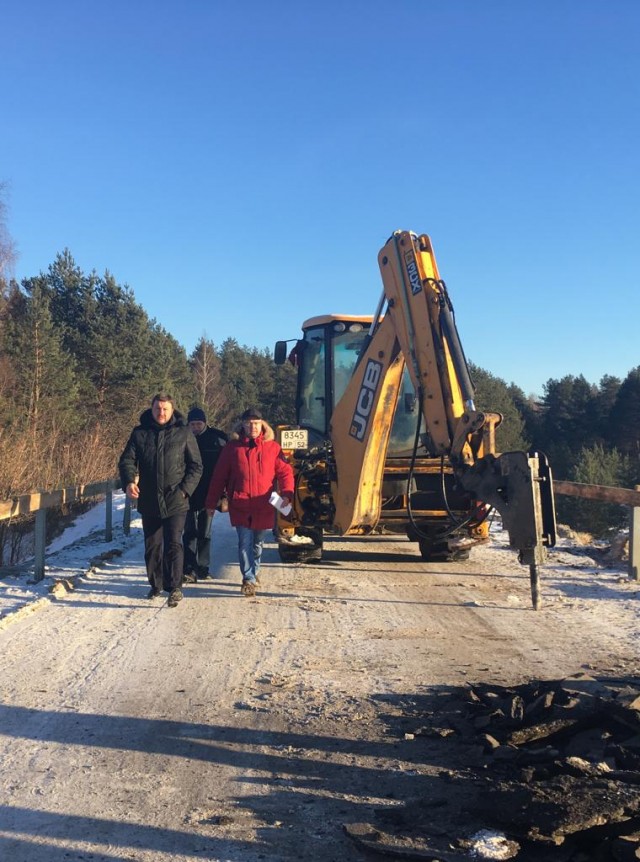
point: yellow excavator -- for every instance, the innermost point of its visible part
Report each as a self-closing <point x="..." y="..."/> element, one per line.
<point x="387" y="435"/>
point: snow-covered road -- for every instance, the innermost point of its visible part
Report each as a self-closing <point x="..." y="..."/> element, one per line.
<point x="244" y="729"/>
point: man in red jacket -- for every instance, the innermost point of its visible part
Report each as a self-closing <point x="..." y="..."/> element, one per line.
<point x="247" y="470"/>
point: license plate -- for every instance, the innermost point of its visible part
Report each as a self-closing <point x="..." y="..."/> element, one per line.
<point x="294" y="438"/>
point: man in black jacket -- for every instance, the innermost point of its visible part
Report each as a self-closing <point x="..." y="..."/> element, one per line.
<point x="160" y="467"/>
<point x="197" y="528"/>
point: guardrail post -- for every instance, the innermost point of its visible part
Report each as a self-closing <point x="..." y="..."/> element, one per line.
<point x="108" y="532"/>
<point x="634" y="542"/>
<point x="126" y="518"/>
<point x="40" y="542"/>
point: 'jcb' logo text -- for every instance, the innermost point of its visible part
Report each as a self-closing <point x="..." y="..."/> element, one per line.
<point x="414" y="275"/>
<point x="366" y="397"/>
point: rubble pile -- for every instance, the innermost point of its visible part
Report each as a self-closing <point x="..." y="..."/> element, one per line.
<point x="565" y="764"/>
<point x="552" y="768"/>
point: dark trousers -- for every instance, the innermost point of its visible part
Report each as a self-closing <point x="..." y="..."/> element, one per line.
<point x="197" y="541"/>
<point x="163" y="551"/>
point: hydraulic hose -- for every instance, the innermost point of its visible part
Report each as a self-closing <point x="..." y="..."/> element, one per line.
<point x="450" y="333"/>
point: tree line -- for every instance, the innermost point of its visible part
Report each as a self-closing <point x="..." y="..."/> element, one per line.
<point x="589" y="432"/>
<point x="80" y="359"/>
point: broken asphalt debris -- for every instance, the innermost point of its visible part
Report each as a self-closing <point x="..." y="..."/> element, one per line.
<point x="550" y="770"/>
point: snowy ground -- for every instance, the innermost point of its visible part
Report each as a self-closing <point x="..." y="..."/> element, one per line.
<point x="574" y="575"/>
<point x="239" y="730"/>
<point x="68" y="557"/>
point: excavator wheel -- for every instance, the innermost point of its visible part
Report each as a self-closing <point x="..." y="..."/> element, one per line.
<point x="299" y="555"/>
<point x="440" y="552"/>
<point x="303" y="552"/>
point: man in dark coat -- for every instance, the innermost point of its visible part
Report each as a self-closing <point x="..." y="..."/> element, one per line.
<point x="197" y="529"/>
<point x="160" y="467"/>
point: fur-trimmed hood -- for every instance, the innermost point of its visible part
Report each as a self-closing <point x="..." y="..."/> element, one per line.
<point x="267" y="432"/>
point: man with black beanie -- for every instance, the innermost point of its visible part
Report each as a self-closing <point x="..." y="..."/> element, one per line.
<point x="197" y="529"/>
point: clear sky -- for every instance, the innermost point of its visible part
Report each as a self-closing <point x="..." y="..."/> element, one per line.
<point x="240" y="164"/>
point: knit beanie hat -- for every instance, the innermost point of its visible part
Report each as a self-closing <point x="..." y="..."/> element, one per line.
<point x="196" y="414"/>
<point x="251" y="413"/>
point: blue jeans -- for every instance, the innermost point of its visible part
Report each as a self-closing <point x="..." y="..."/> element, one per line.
<point x="250" y="551"/>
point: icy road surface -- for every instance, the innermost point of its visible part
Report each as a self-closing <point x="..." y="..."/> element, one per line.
<point x="253" y="729"/>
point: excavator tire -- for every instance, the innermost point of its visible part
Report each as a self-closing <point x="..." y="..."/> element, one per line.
<point x="304" y="553"/>
<point x="439" y="552"/>
<point x="299" y="555"/>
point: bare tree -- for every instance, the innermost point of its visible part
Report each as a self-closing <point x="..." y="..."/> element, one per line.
<point x="212" y="393"/>
<point x="8" y="252"/>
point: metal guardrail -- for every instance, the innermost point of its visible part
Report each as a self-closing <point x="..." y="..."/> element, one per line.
<point x="606" y="494"/>
<point x="39" y="501"/>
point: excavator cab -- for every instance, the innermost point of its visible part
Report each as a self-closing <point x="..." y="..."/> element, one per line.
<point x="326" y="358"/>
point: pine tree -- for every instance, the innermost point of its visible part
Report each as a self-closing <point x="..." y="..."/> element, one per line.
<point x="569" y="421"/>
<point x="167" y="368"/>
<point x="596" y="466"/>
<point x="46" y="386"/>
<point x="45" y="392"/>
<point x="237" y="369"/>
<point x="604" y="401"/>
<point x="71" y="299"/>
<point x="493" y="394"/>
<point x="114" y="357"/>
<point x="281" y="406"/>
<point x="625" y="415"/>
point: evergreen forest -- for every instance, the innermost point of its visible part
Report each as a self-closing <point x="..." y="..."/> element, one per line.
<point x="80" y="360"/>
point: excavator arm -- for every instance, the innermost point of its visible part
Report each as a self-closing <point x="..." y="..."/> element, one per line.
<point x="418" y="329"/>
<point x="364" y="412"/>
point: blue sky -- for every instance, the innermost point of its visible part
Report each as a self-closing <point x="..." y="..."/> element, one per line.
<point x="240" y="164"/>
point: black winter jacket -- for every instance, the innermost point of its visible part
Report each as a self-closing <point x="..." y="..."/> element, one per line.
<point x="210" y="444"/>
<point x="167" y="461"/>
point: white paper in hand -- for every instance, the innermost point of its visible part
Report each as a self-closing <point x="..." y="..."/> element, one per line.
<point x="277" y="502"/>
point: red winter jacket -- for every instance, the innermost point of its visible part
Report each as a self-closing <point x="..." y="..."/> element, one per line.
<point x="247" y="470"/>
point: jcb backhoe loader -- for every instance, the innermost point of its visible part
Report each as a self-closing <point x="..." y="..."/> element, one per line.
<point x="388" y="436"/>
